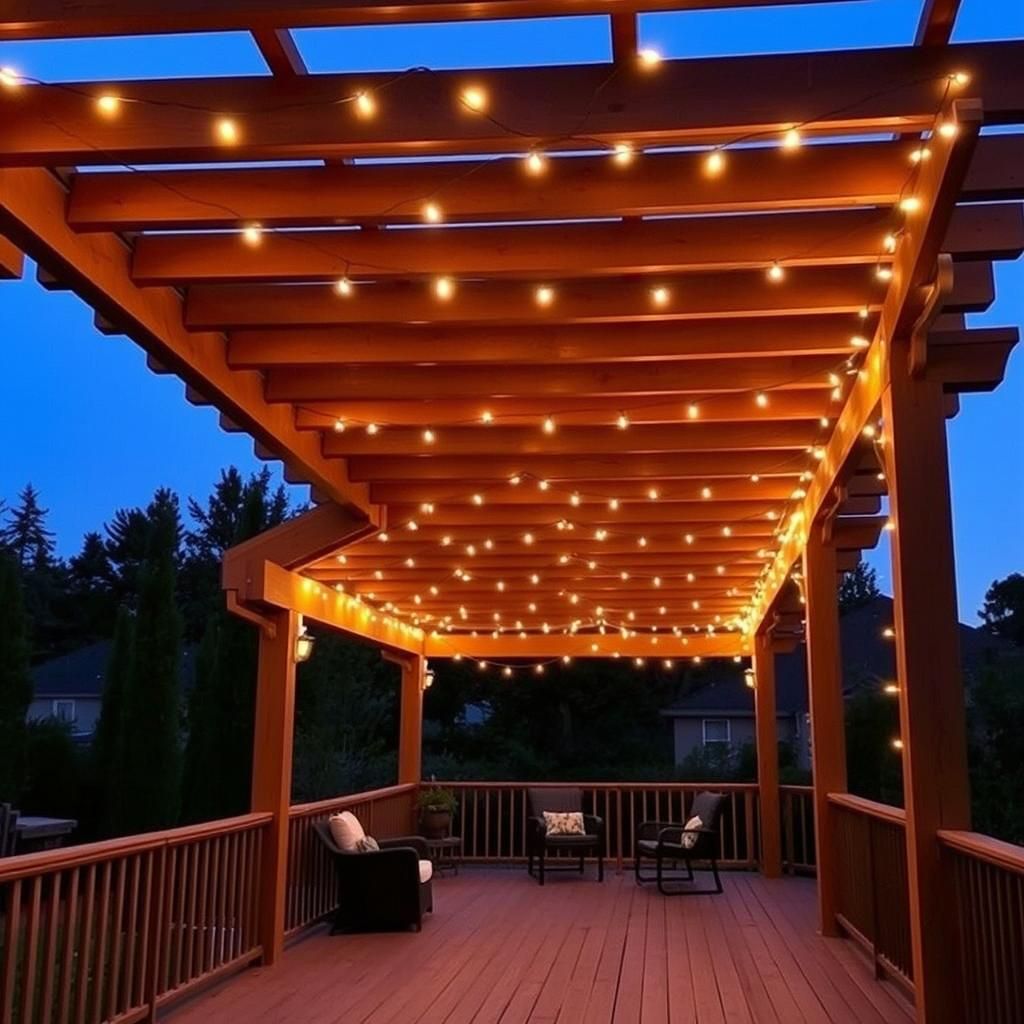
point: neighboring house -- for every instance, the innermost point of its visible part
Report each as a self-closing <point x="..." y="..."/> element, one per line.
<point x="70" y="687"/>
<point x="721" y="710"/>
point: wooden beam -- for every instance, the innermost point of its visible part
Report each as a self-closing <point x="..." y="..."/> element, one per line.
<point x="96" y="268"/>
<point x="645" y="342"/>
<point x="831" y="176"/>
<point x="553" y="252"/>
<point x="448" y="645"/>
<point x="46" y="19"/>
<point x="641" y="437"/>
<point x="273" y="737"/>
<point x="972" y="360"/>
<point x="935" y="26"/>
<point x="546" y="383"/>
<point x="410" y="727"/>
<point x="702" y="559"/>
<point x="12" y="263"/>
<point x="932" y="715"/>
<point x="825" y="689"/>
<point x="278" y="49"/>
<point x="765" y="713"/>
<point x="937" y="186"/>
<point x="895" y="89"/>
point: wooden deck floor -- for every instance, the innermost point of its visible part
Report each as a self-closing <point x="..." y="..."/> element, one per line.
<point x="498" y="948"/>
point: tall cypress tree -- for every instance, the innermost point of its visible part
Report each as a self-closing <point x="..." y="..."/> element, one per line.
<point x="152" y="757"/>
<point x="108" y="752"/>
<point x="15" y="683"/>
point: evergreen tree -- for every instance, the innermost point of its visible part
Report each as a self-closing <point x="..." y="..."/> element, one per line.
<point x="1003" y="613"/>
<point x="25" y="533"/>
<point x="858" y="588"/>
<point x="199" y="800"/>
<point x="53" y="775"/>
<point x="108" y="745"/>
<point x="152" y="714"/>
<point x="15" y="683"/>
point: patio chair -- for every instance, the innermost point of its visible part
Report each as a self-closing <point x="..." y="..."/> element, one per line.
<point x="538" y="842"/>
<point x="8" y="830"/>
<point x="381" y="890"/>
<point x="663" y="841"/>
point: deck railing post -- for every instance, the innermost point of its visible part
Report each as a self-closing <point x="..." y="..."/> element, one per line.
<point x="931" y="695"/>
<point x="767" y="757"/>
<point x="410" y="731"/>
<point x="825" y="687"/>
<point x="273" y="736"/>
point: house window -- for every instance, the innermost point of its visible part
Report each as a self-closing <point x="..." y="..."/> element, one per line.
<point x="64" y="710"/>
<point x="716" y="730"/>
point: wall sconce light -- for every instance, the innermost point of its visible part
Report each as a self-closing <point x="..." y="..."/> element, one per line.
<point x="428" y="678"/>
<point x="748" y="677"/>
<point x="303" y="645"/>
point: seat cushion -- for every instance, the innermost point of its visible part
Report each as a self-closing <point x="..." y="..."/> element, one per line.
<point x="426" y="871"/>
<point x="346" y="831"/>
<point x="649" y="848"/>
<point x="584" y="840"/>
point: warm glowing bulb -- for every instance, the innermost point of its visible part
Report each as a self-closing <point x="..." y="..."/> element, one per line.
<point x="372" y="428"/>
<point x="859" y="341"/>
<point x="549" y="425"/>
<point x="252" y="234"/>
<point x="9" y="78"/>
<point x="897" y="744"/>
<point x="486" y="417"/>
<point x="959" y="78"/>
<point x="623" y="421"/>
<point x="652" y="493"/>
<point x="692" y="411"/>
<point x="444" y="288"/>
<point x="432" y="213"/>
<point x="339" y="426"/>
<point x="705" y="493"/>
<point x="908" y="204"/>
<point x="108" y="105"/>
<point x="715" y="162"/>
<point x="343" y="286"/>
<point x="623" y="153"/>
<point x="613" y="504"/>
<point x="947" y="129"/>
<point x="920" y="154"/>
<point x="791" y="140"/>
<point x="775" y="272"/>
<point x="761" y="400"/>
<point x="660" y="296"/>
<point x="883" y="272"/>
<point x="227" y="130"/>
<point x="478" y="499"/>
<point x="429" y="437"/>
<point x="475" y="98"/>
<point x="544" y="295"/>
<point x="648" y="57"/>
<point x="366" y="105"/>
<point x="536" y="163"/>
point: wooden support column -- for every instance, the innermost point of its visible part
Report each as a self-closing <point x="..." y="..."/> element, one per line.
<point x="825" y="687"/>
<point x="932" y="717"/>
<point x="410" y="731"/>
<point x="767" y="755"/>
<point x="272" y="771"/>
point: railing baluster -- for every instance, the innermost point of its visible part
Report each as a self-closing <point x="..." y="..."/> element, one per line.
<point x="12" y="935"/>
<point x="50" y="978"/>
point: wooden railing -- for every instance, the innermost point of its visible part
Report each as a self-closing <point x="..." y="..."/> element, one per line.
<point x="871" y="854"/>
<point x="798" y="852"/>
<point x="987" y="889"/>
<point x="312" y="890"/>
<point x="111" y="931"/>
<point x="491" y="816"/>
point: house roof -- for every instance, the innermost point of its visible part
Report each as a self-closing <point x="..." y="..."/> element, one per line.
<point x="82" y="673"/>
<point x="868" y="657"/>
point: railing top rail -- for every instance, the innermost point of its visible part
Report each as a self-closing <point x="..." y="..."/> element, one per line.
<point x="802" y="790"/>
<point x="335" y="802"/>
<point x="721" y="787"/>
<point x="26" y="865"/>
<point x="869" y="808"/>
<point x="986" y="848"/>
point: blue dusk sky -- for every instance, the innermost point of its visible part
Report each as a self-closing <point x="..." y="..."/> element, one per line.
<point x="93" y="429"/>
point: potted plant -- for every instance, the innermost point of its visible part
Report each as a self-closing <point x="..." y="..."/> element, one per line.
<point x="436" y="806"/>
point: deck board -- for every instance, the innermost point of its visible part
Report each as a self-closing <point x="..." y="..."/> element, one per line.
<point x="500" y="949"/>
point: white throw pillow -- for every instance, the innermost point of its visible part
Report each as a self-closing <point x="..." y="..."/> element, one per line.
<point x="346" y="831"/>
<point x="563" y="823"/>
<point x="426" y="871"/>
<point x="688" y="840"/>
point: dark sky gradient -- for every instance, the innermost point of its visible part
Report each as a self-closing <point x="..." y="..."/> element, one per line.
<point x="93" y="429"/>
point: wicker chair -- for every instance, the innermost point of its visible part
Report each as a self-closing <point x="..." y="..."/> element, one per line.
<point x="538" y="842"/>
<point x="381" y="890"/>
<point x="661" y="841"/>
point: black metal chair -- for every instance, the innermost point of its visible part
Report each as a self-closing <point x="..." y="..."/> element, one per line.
<point x="662" y="841"/>
<point x="538" y="842"/>
<point x="380" y="890"/>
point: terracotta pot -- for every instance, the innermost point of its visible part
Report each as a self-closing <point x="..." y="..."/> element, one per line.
<point x="436" y="824"/>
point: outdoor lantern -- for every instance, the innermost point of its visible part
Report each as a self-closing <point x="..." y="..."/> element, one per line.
<point x="303" y="646"/>
<point x="748" y="676"/>
<point x="428" y="678"/>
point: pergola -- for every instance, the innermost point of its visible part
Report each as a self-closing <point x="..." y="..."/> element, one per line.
<point x="613" y="360"/>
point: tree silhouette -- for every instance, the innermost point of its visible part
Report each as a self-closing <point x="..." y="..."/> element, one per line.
<point x="15" y="685"/>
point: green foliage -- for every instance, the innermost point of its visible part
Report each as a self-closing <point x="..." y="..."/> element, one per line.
<point x="858" y="588"/>
<point x="15" y="683"/>
<point x="25" y="534"/>
<point x="719" y="762"/>
<point x="152" y="713"/>
<point x="53" y="775"/>
<point x="995" y="727"/>
<point x="1003" y="613"/>
<point x="436" y="799"/>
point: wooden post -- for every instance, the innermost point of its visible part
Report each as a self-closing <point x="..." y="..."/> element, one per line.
<point x="932" y="716"/>
<point x="272" y="772"/>
<point x="828" y="735"/>
<point x="410" y="733"/>
<point x="767" y="754"/>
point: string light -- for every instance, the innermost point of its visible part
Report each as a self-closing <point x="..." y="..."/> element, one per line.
<point x="859" y="341"/>
<point x="897" y="744"/>
<point x="883" y="272"/>
<point x="948" y="129"/>
<point x="478" y="499"/>
<point x="920" y="154"/>
<point x="429" y="437"/>
<point x="623" y="154"/>
<point x="908" y="204"/>
<point x="226" y="131"/>
<point x="792" y="140"/>
<point x="109" y="106"/>
<point x="622" y="422"/>
<point x="715" y="162"/>
<point x="761" y="400"/>
<point x="486" y="417"/>
<point x="549" y="428"/>
<point x="692" y="411"/>
<point x="653" y="493"/>
<point x="705" y="493"/>
<point x="9" y="78"/>
<point x="536" y="163"/>
<point x="372" y="429"/>
<point x="444" y="288"/>
<point x="432" y="213"/>
<point x="339" y="426"/>
<point x="366" y="105"/>
<point x="252" y="234"/>
<point x="613" y="504"/>
<point x="475" y="98"/>
<point x="544" y="295"/>
<point x="775" y="272"/>
<point x="343" y="286"/>
<point x="648" y="57"/>
<point x="660" y="296"/>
